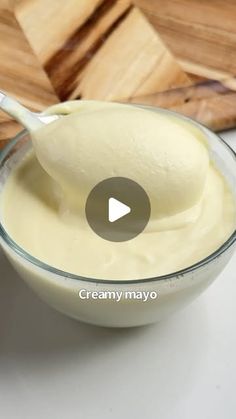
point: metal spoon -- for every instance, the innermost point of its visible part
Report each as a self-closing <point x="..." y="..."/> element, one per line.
<point x="30" y="120"/>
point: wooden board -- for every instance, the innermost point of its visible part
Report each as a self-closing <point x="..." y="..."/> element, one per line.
<point x="201" y="34"/>
<point x="21" y="74"/>
<point x="177" y="54"/>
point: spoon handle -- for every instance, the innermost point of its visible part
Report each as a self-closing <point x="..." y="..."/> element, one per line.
<point x="19" y="112"/>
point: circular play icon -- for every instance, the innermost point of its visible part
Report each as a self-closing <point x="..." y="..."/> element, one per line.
<point x="118" y="209"/>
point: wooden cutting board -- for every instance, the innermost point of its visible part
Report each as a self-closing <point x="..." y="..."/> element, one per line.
<point x="178" y="54"/>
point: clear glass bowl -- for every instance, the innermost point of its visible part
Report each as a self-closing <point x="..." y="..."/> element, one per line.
<point x="61" y="289"/>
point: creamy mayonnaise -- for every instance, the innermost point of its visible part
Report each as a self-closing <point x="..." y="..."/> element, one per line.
<point x="192" y="208"/>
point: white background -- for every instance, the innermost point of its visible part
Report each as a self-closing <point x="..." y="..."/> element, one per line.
<point x="54" y="367"/>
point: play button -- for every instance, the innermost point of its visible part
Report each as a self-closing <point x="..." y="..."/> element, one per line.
<point x="117" y="209"/>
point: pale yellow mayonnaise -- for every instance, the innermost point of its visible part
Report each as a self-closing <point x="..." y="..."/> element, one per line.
<point x="192" y="208"/>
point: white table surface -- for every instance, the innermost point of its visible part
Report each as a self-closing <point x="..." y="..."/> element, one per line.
<point x="54" y="367"/>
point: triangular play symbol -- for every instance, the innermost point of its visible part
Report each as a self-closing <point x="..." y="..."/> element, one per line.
<point x="117" y="210"/>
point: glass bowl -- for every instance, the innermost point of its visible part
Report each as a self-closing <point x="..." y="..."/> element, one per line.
<point x="66" y="292"/>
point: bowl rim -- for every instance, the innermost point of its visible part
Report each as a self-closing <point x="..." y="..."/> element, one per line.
<point x="178" y="274"/>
